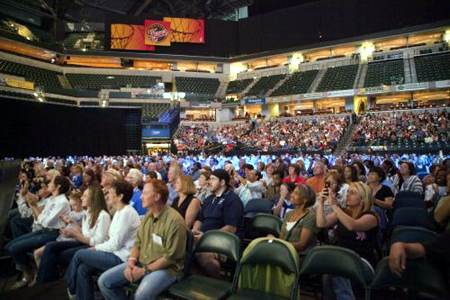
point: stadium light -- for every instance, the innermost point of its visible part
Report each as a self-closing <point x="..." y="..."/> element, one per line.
<point x="40" y="99"/>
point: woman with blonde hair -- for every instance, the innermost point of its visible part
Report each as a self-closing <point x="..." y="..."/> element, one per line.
<point x="186" y="204"/>
<point x="357" y="229"/>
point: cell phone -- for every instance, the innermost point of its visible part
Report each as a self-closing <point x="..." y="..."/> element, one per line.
<point x="327" y="185"/>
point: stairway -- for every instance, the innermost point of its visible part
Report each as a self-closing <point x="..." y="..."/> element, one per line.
<point x="242" y="94"/>
<point x="222" y="90"/>
<point x="412" y="70"/>
<point x="406" y="64"/>
<point x="361" y="76"/>
<point x="317" y="81"/>
<point x="345" y="140"/>
<point x="280" y="83"/>
<point x="64" y="82"/>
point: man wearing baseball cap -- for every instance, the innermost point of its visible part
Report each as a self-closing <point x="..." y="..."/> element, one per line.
<point x="222" y="210"/>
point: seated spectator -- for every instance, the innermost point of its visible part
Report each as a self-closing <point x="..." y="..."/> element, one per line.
<point x="350" y="174"/>
<point x="268" y="175"/>
<point x="299" y="225"/>
<point x="284" y="204"/>
<point x="152" y="167"/>
<point x="196" y="171"/>
<point x="92" y="231"/>
<point x="357" y="229"/>
<point x="77" y="177"/>
<point x="89" y="179"/>
<point x="360" y="171"/>
<point x="406" y="179"/>
<point x="250" y="188"/>
<point x="203" y="190"/>
<point x="134" y="177"/>
<point x="294" y="175"/>
<point x="317" y="182"/>
<point x="272" y="193"/>
<point x="157" y="257"/>
<point x="101" y="257"/>
<point x="333" y="183"/>
<point x="172" y="176"/>
<point x="383" y="195"/>
<point x="24" y="222"/>
<point x="48" y="218"/>
<point x="436" y="251"/>
<point x="222" y="210"/>
<point x="185" y="203"/>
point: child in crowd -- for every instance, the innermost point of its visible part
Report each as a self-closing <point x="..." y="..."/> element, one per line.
<point x="76" y="214"/>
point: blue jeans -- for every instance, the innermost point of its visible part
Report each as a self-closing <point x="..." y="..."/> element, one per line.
<point x="85" y="264"/>
<point x="340" y="288"/>
<point x="20" y="247"/>
<point x="20" y="226"/>
<point x="111" y="284"/>
<point x="56" y="253"/>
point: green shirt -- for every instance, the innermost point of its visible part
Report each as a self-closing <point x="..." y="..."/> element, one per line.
<point x="294" y="235"/>
<point x="163" y="236"/>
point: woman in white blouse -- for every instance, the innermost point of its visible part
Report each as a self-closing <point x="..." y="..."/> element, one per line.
<point x="93" y="231"/>
<point x="114" y="251"/>
<point x="49" y="220"/>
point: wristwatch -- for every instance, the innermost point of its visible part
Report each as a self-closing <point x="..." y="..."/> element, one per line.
<point x="147" y="270"/>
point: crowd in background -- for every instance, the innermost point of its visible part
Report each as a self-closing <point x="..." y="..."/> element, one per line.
<point x="67" y="207"/>
<point x="424" y="127"/>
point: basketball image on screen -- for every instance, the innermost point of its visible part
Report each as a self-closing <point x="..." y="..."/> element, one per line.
<point x="187" y="30"/>
<point x="129" y="37"/>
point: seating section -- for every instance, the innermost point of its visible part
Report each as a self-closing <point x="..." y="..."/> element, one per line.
<point x="397" y="132"/>
<point x="385" y="73"/>
<point x="264" y="84"/>
<point x="338" y="78"/>
<point x="97" y="82"/>
<point x="237" y="86"/>
<point x="152" y="111"/>
<point x="42" y="77"/>
<point x="298" y="83"/>
<point x="194" y="86"/>
<point x="71" y="39"/>
<point x="433" y="67"/>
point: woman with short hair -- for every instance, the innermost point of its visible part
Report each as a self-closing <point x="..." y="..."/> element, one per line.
<point x="185" y="203"/>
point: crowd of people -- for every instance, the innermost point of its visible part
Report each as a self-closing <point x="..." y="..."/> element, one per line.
<point x="315" y="134"/>
<point x="423" y="127"/>
<point x="127" y="218"/>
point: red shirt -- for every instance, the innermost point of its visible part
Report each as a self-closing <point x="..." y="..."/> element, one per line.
<point x="297" y="180"/>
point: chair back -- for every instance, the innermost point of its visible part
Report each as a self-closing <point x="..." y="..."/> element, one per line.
<point x="262" y="253"/>
<point x="411" y="234"/>
<point x="412" y="216"/>
<point x="258" y="206"/>
<point x="408" y="202"/>
<point x="220" y="242"/>
<point x="336" y="261"/>
<point x="408" y="195"/>
<point x="265" y="224"/>
<point x="419" y="276"/>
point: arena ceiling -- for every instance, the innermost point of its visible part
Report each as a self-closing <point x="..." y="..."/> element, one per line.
<point x="95" y="10"/>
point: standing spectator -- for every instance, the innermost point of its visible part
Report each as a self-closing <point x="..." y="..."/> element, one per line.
<point x="350" y="174"/>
